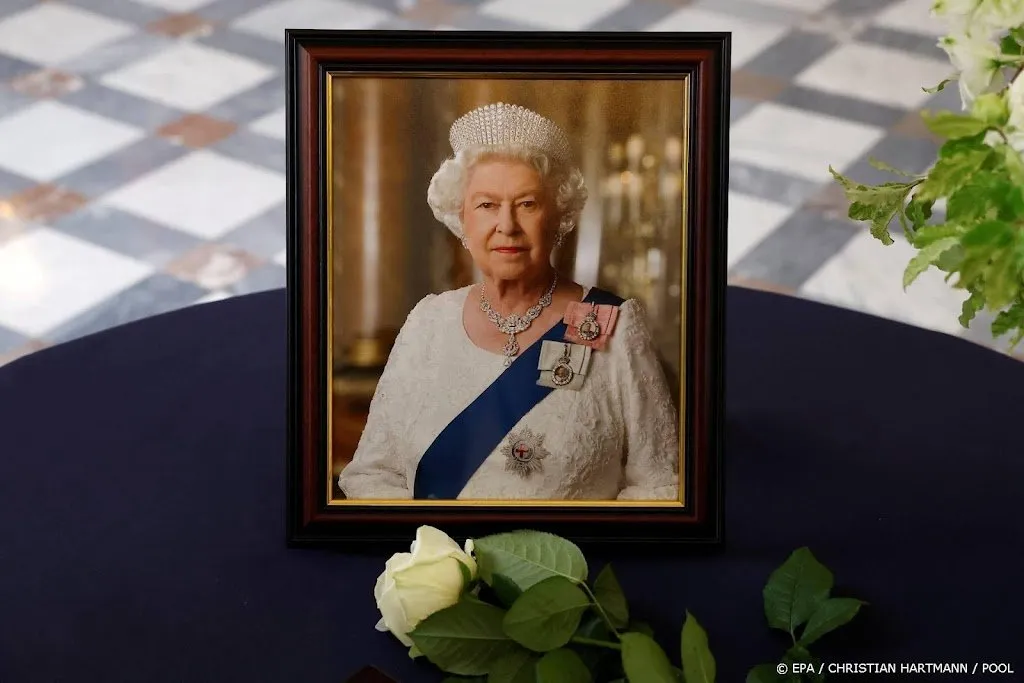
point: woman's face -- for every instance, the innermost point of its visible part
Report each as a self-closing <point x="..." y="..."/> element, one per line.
<point x="508" y="219"/>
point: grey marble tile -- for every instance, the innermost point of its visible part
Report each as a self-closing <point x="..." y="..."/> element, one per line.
<point x="132" y="12"/>
<point x="948" y="98"/>
<point x="253" y="103"/>
<point x="156" y="294"/>
<point x="15" y="6"/>
<point x="925" y="46"/>
<point x="260" y="49"/>
<point x="752" y="10"/>
<point x="261" y="150"/>
<point x="11" y="68"/>
<point x="393" y="6"/>
<point x="10" y="340"/>
<point x="224" y="11"/>
<point x="636" y="16"/>
<point x="117" y="54"/>
<point x="913" y="155"/>
<point x="265" y="236"/>
<point x="795" y="250"/>
<point x="121" y="167"/>
<point x="401" y="24"/>
<point x="12" y="100"/>
<point x="792" y="54"/>
<point x="267" y="276"/>
<point x="127" y="234"/>
<point x="770" y="185"/>
<point x="11" y="183"/>
<point x="740" y="107"/>
<point x="840" y="106"/>
<point x="115" y="104"/>
<point x="471" y="21"/>
<point x="858" y="8"/>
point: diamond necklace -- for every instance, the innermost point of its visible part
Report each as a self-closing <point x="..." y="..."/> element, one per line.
<point x="514" y="324"/>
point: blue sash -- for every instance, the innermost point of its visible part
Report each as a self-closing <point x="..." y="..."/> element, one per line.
<point x="463" y="445"/>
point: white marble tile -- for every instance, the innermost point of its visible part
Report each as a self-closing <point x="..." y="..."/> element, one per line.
<point x="751" y="219"/>
<point x="749" y="37"/>
<point x="51" y="32"/>
<point x="176" y="6"/>
<point x="270" y="21"/>
<point x="799" y="142"/>
<point x="213" y="296"/>
<point x="204" y="194"/>
<point x="876" y="74"/>
<point x="868" y="276"/>
<point x="47" y="277"/>
<point x="911" y="16"/>
<point x="189" y="76"/>
<point x="564" y="15"/>
<point x="272" y="125"/>
<point x="49" y="139"/>
<point x="281" y="259"/>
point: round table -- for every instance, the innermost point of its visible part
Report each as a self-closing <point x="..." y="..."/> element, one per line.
<point x="142" y="504"/>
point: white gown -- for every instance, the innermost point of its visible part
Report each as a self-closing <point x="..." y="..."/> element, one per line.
<point x="614" y="438"/>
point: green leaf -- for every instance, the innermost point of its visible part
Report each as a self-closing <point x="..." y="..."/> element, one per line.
<point x="933" y="233"/>
<point x="795" y="590"/>
<point x="547" y="614"/>
<point x="764" y="673"/>
<point x="832" y="614"/>
<point x="918" y="211"/>
<point x="876" y="204"/>
<point x="939" y="86"/>
<point x="883" y="166"/>
<point x="971" y="306"/>
<point x="562" y="666"/>
<point x="517" y="667"/>
<point x="464" y="679"/>
<point x="946" y="124"/>
<point x="465" y="638"/>
<point x="528" y="557"/>
<point x="644" y="661"/>
<point x="611" y="598"/>
<point x="988" y="234"/>
<point x="1002" y="280"/>
<point x="505" y="589"/>
<point x="925" y="257"/>
<point x="953" y="171"/>
<point x="1014" y="165"/>
<point x="698" y="662"/>
<point x="1010" y="45"/>
<point x="1009" y="320"/>
<point x="991" y="109"/>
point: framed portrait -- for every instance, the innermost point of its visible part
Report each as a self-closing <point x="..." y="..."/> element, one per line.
<point x="506" y="280"/>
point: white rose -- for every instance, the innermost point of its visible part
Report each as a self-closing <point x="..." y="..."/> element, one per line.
<point x="978" y="61"/>
<point x="987" y="15"/>
<point x="416" y="584"/>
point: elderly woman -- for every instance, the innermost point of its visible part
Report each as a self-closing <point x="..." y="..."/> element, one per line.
<point x="526" y="385"/>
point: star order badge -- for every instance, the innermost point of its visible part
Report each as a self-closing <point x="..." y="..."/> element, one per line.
<point x="524" y="452"/>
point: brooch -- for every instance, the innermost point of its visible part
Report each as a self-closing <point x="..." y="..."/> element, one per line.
<point x="562" y="373"/>
<point x="589" y="329"/>
<point x="563" y="365"/>
<point x="590" y="324"/>
<point x="524" y="452"/>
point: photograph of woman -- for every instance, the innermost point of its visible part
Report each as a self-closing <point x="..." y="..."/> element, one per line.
<point x="524" y="385"/>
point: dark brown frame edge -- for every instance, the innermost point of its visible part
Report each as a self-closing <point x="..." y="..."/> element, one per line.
<point x="311" y="54"/>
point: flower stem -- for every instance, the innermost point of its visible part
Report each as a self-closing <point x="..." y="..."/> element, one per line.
<point x="580" y="640"/>
<point x="600" y="610"/>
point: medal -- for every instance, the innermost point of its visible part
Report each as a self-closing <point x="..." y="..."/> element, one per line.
<point x="562" y="373"/>
<point x="524" y="452"/>
<point x="589" y="329"/>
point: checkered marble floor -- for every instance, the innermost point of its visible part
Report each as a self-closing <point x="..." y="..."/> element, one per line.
<point x="142" y="151"/>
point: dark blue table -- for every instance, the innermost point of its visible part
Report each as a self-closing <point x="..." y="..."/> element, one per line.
<point x="142" y="504"/>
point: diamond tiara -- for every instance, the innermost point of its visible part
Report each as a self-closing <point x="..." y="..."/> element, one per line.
<point x="509" y="124"/>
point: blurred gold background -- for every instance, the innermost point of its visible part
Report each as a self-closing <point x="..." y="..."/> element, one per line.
<point x="388" y="137"/>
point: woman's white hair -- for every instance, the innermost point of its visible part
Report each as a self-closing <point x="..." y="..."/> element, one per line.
<point x="447" y="189"/>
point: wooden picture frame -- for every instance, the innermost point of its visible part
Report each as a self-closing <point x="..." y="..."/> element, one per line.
<point x="338" y="213"/>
